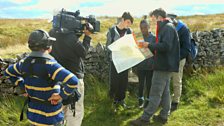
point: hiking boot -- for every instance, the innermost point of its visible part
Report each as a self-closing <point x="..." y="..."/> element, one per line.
<point x="119" y="106"/>
<point x="139" y="122"/>
<point x="140" y="103"/>
<point x="159" y="119"/>
<point x="123" y="104"/>
<point x="174" y="106"/>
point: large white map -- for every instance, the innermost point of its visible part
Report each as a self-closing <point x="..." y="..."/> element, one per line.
<point x="126" y="54"/>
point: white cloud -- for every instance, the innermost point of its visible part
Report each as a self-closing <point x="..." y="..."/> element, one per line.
<point x="19" y="1"/>
<point x="117" y="7"/>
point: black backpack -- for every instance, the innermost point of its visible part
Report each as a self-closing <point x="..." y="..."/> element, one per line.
<point x="29" y="62"/>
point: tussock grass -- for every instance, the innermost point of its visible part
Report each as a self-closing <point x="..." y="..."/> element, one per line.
<point x="12" y="51"/>
<point x="10" y="110"/>
<point x="201" y="103"/>
<point x="17" y="30"/>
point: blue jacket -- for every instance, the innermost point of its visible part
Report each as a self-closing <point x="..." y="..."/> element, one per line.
<point x="147" y="64"/>
<point x="39" y="88"/>
<point x="184" y="38"/>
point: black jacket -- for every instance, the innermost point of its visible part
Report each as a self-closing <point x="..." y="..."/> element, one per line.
<point x="147" y="64"/>
<point x="70" y="52"/>
<point x="167" y="49"/>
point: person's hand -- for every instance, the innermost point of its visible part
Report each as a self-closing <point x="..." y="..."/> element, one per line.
<point x="25" y="94"/>
<point x="145" y="44"/>
<point x="87" y="32"/>
<point x="55" y="99"/>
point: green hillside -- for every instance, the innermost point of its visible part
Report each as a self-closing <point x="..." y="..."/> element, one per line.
<point x="202" y="102"/>
<point x="14" y="32"/>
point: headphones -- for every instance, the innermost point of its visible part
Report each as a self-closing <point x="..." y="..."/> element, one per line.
<point x="44" y="42"/>
<point x="44" y="33"/>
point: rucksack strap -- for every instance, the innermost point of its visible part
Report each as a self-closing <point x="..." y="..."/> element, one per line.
<point x="47" y="103"/>
<point x="112" y="33"/>
<point x="29" y="64"/>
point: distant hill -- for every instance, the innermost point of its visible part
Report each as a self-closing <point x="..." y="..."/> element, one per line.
<point x="16" y="31"/>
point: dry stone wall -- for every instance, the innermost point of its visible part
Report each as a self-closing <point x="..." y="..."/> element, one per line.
<point x="210" y="53"/>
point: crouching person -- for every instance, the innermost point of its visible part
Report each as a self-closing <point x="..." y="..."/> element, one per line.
<point x="39" y="74"/>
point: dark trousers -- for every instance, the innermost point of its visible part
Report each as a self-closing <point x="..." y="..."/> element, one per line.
<point x="145" y="79"/>
<point x="118" y="83"/>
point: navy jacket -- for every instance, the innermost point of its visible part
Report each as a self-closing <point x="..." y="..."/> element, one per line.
<point x="70" y="52"/>
<point x="184" y="38"/>
<point x="167" y="49"/>
<point x="147" y="64"/>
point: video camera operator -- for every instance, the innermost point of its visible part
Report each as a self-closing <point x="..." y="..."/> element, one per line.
<point x="69" y="51"/>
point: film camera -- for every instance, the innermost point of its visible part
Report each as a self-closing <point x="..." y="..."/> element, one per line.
<point x="66" y="21"/>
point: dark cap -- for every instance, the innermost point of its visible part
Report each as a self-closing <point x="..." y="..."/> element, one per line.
<point x="39" y="37"/>
<point x="171" y="15"/>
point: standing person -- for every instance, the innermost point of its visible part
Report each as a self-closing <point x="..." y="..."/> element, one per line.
<point x="118" y="81"/>
<point x="145" y="68"/>
<point x="185" y="45"/>
<point x="166" y="61"/>
<point x="70" y="52"/>
<point x="37" y="74"/>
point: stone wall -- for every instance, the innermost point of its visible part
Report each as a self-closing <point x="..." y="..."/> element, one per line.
<point x="211" y="48"/>
<point x="211" y="53"/>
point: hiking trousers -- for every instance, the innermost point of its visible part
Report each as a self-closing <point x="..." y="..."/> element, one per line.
<point x="118" y="83"/>
<point x="79" y="109"/>
<point x="159" y="94"/>
<point x="177" y="82"/>
<point x="145" y="80"/>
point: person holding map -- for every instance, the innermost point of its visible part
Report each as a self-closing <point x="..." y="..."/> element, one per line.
<point x="145" y="68"/>
<point x="166" y="61"/>
<point x="118" y="81"/>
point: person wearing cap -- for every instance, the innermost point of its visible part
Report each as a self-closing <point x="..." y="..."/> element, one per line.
<point x="166" y="61"/>
<point x="118" y="81"/>
<point x="38" y="75"/>
<point x="69" y="51"/>
<point x="185" y="46"/>
<point x="145" y="68"/>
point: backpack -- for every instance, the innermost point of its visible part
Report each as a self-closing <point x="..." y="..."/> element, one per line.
<point x="193" y="51"/>
<point x="112" y="33"/>
<point x="29" y="62"/>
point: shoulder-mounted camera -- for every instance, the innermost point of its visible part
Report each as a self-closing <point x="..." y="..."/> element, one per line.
<point x="66" y="21"/>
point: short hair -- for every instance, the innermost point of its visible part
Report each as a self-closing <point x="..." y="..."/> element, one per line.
<point x="158" y="12"/>
<point x="144" y="21"/>
<point x="127" y="16"/>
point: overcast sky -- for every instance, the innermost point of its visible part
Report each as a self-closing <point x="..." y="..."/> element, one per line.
<point x="45" y="8"/>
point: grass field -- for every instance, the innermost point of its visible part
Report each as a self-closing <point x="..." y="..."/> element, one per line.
<point x="202" y="104"/>
<point x="14" y="32"/>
